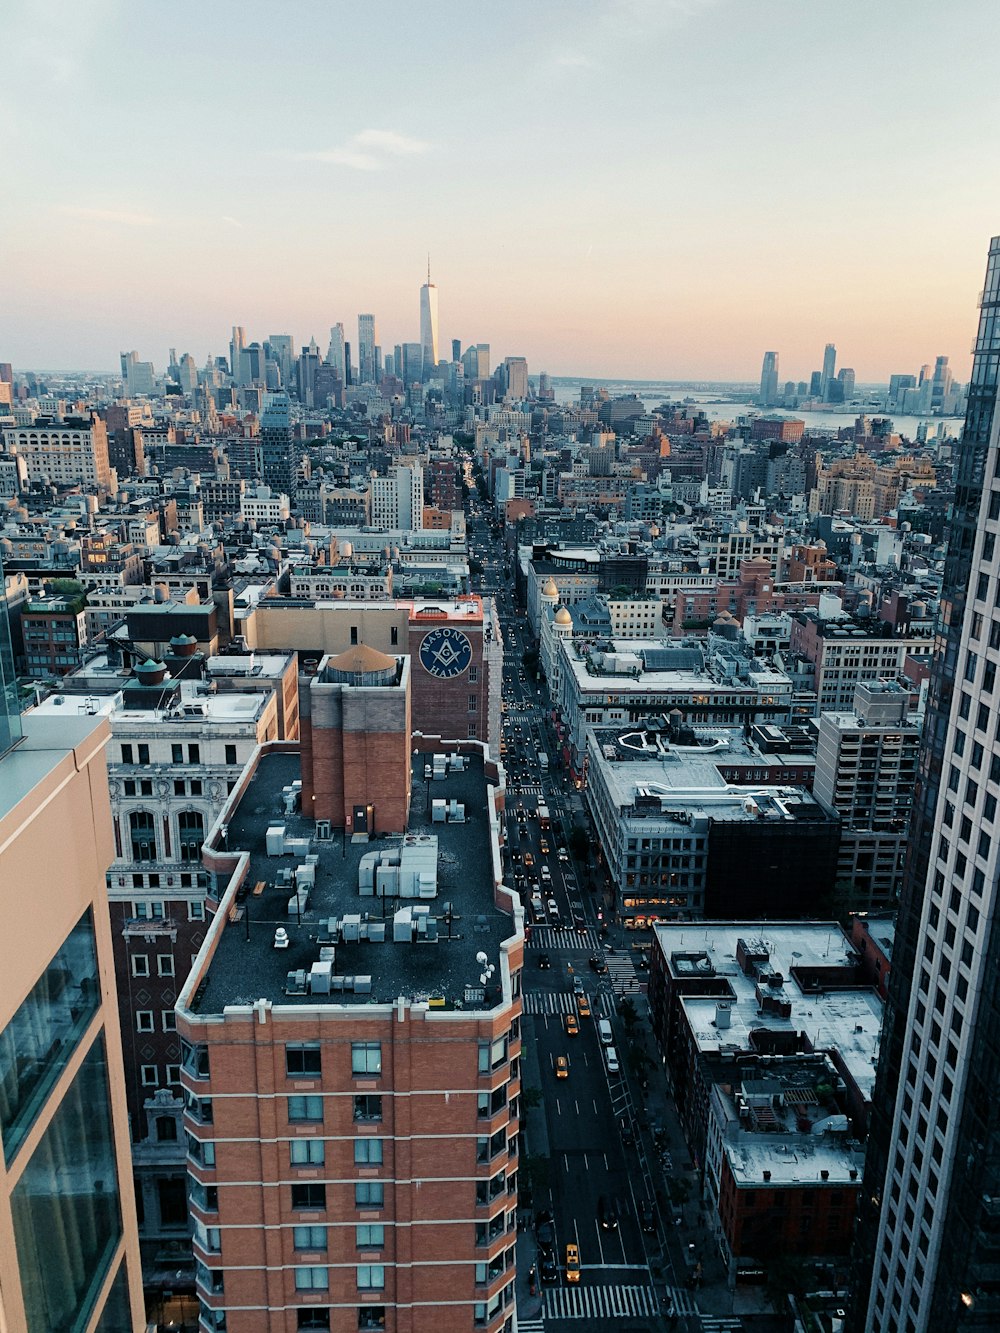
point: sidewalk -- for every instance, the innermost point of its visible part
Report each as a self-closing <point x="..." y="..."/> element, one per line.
<point x="535" y="1144"/>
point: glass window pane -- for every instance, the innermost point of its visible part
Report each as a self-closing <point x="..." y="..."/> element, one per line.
<point x="39" y="1040"/>
<point x="65" y="1210"/>
<point x="117" y="1314"/>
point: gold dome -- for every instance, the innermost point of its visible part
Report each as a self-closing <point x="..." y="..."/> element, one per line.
<point x="563" y="617"/>
<point x="549" y="589"/>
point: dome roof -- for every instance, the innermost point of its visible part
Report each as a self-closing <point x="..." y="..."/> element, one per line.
<point x="549" y="589"/>
<point x="362" y="660"/>
<point x="563" y="617"/>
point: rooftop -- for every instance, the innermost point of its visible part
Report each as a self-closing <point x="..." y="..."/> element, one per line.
<point x="819" y="986"/>
<point x="246" y="966"/>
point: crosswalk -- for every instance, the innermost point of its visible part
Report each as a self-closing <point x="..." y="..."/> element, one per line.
<point x="599" y="1302"/>
<point x="530" y="1325"/>
<point x="621" y="972"/>
<point x="537" y="1003"/>
<point x="712" y="1323"/>
<point x="565" y="937"/>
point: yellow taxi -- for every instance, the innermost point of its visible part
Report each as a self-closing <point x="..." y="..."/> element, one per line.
<point x="583" y="1006"/>
<point x="562" y="1066"/>
<point x="572" y="1263"/>
<point x="529" y="860"/>
<point x="571" y="1025"/>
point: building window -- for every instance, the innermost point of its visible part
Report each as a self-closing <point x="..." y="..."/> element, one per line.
<point x="143" y="754"/>
<point x="191" y="834"/>
<point x="367" y="1152"/>
<point x="142" y="827"/>
<point x="230" y="754"/>
<point x="369" y="1193"/>
<point x="371" y="1277"/>
<point x="473" y="675"/>
<point x="309" y="1195"/>
<point x="309" y="1278"/>
<point x="127" y="755"/>
<point x="149" y="1076"/>
<point x="177" y="754"/>
<point x="371" y="1317"/>
<point x="309" y="1238"/>
<point x="370" y="1236"/>
<point x="354" y="634"/>
<point x="140" y="965"/>
<point x="303" y="1060"/>
<point x="196" y="911"/>
<point x="168" y="1020"/>
<point x="166" y="1129"/>
<point x="144" y="1020"/>
<point x="473" y="703"/>
<point x="165" y="964"/>
<point x="472" y="730"/>
<point x="307" y="1152"/>
<point x="394" y="635"/>
<point x="366" y="1057"/>
<point x="368" y="1107"/>
<point x="69" y="1234"/>
<point x="305" y="1108"/>
<point x="314" y="1317"/>
<point x="173" y="1075"/>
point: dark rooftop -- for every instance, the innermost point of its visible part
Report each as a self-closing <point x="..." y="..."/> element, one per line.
<point x="244" y="970"/>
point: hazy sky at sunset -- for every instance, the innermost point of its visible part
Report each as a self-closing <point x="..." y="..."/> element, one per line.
<point x="634" y="188"/>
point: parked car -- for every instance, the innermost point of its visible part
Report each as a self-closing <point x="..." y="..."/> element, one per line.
<point x="545" y="1232"/>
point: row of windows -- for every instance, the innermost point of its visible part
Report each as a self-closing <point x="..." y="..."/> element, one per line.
<point x="145" y="1020"/>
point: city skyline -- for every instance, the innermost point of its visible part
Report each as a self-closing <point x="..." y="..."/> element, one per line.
<point x="230" y="217"/>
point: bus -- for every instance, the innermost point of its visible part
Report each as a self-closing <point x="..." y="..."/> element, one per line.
<point x="543" y="760"/>
<point x="543" y="817"/>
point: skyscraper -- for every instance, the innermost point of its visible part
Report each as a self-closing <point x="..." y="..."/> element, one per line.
<point x="928" y="1237"/>
<point x="366" y="349"/>
<point x="236" y="345"/>
<point x="429" y="323"/>
<point x="829" y="367"/>
<point x="277" y="443"/>
<point x="336" y="353"/>
<point x="769" y="379"/>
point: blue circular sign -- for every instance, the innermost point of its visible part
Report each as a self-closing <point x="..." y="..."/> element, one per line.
<point x="445" y="652"/>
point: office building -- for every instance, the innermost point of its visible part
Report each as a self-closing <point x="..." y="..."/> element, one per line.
<point x="366" y="349"/>
<point x="928" y="1244"/>
<point x="429" y="324"/>
<point x="336" y="355"/>
<point x="352" y="1062"/>
<point x="515" y="375"/>
<point x="456" y="349"/>
<point x="236" y="345"/>
<point x="829" y="369"/>
<point x="279" y="452"/>
<point x="866" y="765"/>
<point x="64" y="452"/>
<point x="69" y="1255"/>
<point x="769" y="380"/>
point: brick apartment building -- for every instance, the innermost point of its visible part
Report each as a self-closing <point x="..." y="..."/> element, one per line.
<point x="351" y="1064"/>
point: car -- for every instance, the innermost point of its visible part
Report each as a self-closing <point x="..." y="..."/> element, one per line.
<point x="578" y="985"/>
<point x="647" y="1216"/>
<point x="548" y="1268"/>
<point x="579" y="922"/>
<point x="545" y="1232"/>
<point x="607" y="1212"/>
<point x="626" y="1133"/>
<point x="562" y="1066"/>
<point x="544" y="961"/>
<point x="611" y="1060"/>
<point x="529" y="860"/>
<point x="537" y="908"/>
<point x="545" y="873"/>
<point x="597" y="963"/>
<point x="572" y="1263"/>
<point x="562" y="854"/>
<point x="543" y="846"/>
<point x="583" y="1006"/>
<point x="572" y="1025"/>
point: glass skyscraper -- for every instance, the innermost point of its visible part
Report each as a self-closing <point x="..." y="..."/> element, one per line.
<point x="929" y="1236"/>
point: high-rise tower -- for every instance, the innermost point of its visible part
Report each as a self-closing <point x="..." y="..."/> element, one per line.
<point x="236" y="346"/>
<point x="769" y="379"/>
<point x="829" y="368"/>
<point x="336" y="355"/>
<point x="366" y="349"/>
<point x="429" y="323"/>
<point x="928" y="1238"/>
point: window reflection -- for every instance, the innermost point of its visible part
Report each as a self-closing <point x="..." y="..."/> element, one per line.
<point x="65" y="1209"/>
<point x="39" y="1040"/>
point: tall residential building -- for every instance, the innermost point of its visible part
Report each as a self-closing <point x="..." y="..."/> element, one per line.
<point x="236" y="345"/>
<point x="456" y="349"/>
<point x="515" y="378"/>
<point x="282" y="349"/>
<point x="69" y="1255"/>
<point x="138" y="376"/>
<point x="366" y="349"/>
<point x="769" y="379"/>
<point x="336" y="355"/>
<point x="397" y="501"/>
<point x="829" y="368"/>
<point x="353" y="1091"/>
<point x="928" y="1243"/>
<point x="429" y="323"/>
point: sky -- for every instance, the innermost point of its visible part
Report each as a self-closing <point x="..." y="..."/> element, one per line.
<point x="626" y="188"/>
